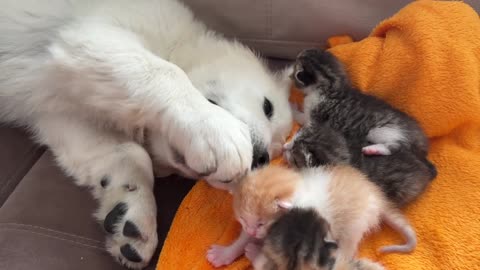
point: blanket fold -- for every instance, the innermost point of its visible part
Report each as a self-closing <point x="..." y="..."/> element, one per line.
<point x="424" y="60"/>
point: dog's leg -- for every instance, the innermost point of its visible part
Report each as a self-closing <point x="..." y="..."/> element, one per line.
<point x="119" y="173"/>
<point x="111" y="74"/>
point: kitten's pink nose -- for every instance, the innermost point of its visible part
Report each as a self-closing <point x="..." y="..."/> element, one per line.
<point x="251" y="231"/>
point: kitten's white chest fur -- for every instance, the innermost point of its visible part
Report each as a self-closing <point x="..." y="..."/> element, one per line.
<point x="312" y="99"/>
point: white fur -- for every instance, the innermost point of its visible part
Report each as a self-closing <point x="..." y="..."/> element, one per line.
<point x="310" y="190"/>
<point x="386" y="134"/>
<point x="385" y="140"/>
<point x="314" y="192"/>
<point x="312" y="99"/>
<point x="99" y="80"/>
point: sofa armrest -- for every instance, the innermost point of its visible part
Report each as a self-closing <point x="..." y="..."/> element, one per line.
<point x="17" y="155"/>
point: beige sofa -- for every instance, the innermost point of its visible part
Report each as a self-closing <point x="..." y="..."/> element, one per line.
<point x="46" y="221"/>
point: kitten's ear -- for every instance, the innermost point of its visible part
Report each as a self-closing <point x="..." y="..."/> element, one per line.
<point x="284" y="204"/>
<point x="302" y="76"/>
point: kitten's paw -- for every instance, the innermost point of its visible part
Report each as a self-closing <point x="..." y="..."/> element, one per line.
<point x="252" y="250"/>
<point x="376" y="150"/>
<point x="222" y="255"/>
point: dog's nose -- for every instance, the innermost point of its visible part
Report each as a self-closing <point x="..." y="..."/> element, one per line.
<point x="260" y="157"/>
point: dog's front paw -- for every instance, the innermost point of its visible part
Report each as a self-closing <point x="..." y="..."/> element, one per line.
<point x="128" y="214"/>
<point x="132" y="237"/>
<point x="212" y="143"/>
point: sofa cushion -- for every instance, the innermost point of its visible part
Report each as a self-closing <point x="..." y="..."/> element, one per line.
<point x="18" y="153"/>
<point x="47" y="222"/>
<point x="281" y="28"/>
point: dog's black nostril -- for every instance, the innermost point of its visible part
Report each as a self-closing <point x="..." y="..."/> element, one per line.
<point x="260" y="159"/>
<point x="264" y="159"/>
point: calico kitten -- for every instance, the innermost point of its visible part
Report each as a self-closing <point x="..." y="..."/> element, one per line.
<point x="300" y="240"/>
<point x="343" y="125"/>
<point x="402" y="176"/>
<point x="341" y="195"/>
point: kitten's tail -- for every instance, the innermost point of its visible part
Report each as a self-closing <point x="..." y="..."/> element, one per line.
<point x="395" y="219"/>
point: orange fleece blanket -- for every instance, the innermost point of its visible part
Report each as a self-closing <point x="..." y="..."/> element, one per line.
<point x="426" y="61"/>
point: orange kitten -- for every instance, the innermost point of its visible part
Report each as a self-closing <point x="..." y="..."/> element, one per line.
<point x="342" y="197"/>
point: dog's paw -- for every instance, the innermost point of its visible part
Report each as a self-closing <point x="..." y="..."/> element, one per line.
<point x="127" y="208"/>
<point x="211" y="142"/>
<point x="131" y="227"/>
<point x="221" y="255"/>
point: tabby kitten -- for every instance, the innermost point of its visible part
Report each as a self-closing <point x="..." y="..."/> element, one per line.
<point x="343" y="125"/>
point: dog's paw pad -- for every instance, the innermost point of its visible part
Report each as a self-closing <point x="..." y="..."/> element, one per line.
<point x="114" y="217"/>
<point x="131" y="230"/>
<point x="130" y="253"/>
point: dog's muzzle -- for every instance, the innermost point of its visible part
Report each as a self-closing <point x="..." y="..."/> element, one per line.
<point x="260" y="156"/>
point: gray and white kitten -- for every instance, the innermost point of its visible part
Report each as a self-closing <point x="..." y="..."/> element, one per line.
<point x="343" y="125"/>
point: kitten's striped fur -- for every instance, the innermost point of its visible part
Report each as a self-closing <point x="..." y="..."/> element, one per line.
<point x="344" y="125"/>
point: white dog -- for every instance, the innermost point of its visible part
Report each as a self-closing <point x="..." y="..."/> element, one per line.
<point x="111" y="85"/>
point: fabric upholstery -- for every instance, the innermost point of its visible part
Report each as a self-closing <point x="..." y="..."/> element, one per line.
<point x="281" y="28"/>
